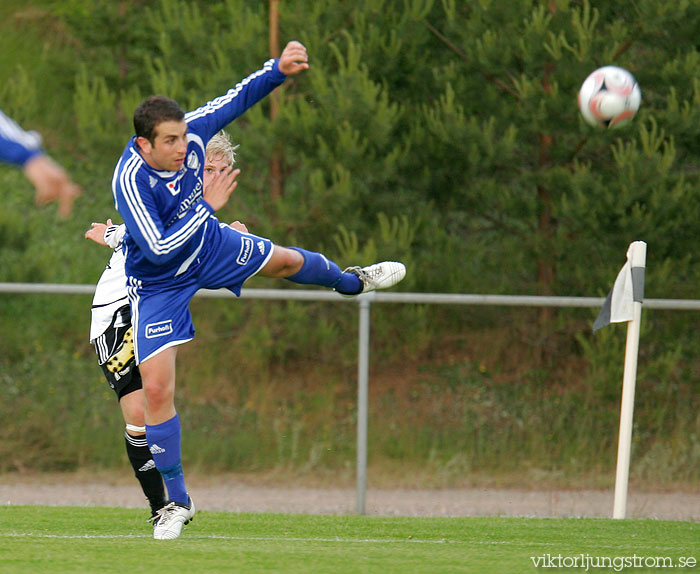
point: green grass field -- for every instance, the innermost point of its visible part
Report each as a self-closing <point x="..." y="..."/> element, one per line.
<point x="36" y="539"/>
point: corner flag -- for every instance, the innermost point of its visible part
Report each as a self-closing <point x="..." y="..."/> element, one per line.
<point x="624" y="303"/>
<point x="618" y="306"/>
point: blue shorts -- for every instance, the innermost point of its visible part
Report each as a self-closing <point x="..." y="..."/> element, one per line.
<point x="160" y="310"/>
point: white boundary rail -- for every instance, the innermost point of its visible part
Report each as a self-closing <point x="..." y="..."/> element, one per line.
<point x="364" y="302"/>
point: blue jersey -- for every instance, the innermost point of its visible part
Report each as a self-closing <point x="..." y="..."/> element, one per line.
<point x="164" y="211"/>
<point x="16" y="145"/>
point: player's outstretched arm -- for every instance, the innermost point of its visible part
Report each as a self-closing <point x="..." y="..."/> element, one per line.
<point x="50" y="180"/>
<point x="218" y="113"/>
<point x="97" y="232"/>
<point x="293" y="59"/>
<point x="51" y="183"/>
<point x="106" y="234"/>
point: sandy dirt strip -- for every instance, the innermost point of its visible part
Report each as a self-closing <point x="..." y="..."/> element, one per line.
<point x="230" y="494"/>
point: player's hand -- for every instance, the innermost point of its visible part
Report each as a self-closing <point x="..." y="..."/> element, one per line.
<point x="51" y="183"/>
<point x="293" y="58"/>
<point x="220" y="187"/>
<point x="97" y="232"/>
<point x="238" y="226"/>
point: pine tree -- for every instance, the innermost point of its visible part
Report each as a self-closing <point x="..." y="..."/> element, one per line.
<point x="536" y="179"/>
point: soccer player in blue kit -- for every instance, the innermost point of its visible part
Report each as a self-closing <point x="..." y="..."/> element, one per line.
<point x="111" y="333"/>
<point x="174" y="246"/>
<point x="50" y="180"/>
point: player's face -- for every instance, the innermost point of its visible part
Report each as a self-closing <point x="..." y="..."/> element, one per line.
<point x="169" y="148"/>
<point x="213" y="165"/>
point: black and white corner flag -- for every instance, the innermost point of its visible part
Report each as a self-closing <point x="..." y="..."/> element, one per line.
<point x="618" y="306"/>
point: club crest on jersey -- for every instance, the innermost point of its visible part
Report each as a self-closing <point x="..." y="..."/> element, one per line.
<point x="192" y="160"/>
<point x="246" y="251"/>
<point x="159" y="329"/>
<point x="173" y="188"/>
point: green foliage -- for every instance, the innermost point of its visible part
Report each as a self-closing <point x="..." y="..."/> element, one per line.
<point x="444" y="134"/>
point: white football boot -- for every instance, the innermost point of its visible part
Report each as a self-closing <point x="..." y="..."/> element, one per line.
<point x="168" y="523"/>
<point x="378" y="276"/>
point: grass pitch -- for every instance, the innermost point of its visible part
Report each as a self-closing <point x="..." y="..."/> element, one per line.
<point x="38" y="539"/>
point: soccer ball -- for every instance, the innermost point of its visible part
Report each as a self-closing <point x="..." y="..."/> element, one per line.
<point x="609" y="97"/>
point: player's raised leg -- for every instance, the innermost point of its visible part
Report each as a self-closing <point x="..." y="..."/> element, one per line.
<point x="312" y="268"/>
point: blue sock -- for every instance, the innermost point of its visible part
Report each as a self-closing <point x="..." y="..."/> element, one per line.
<point x="350" y="284"/>
<point x="164" y="444"/>
<point x="318" y="270"/>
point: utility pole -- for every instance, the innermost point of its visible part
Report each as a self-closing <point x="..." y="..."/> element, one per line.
<point x="276" y="183"/>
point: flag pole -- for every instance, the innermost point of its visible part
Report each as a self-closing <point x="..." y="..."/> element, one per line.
<point x="637" y="257"/>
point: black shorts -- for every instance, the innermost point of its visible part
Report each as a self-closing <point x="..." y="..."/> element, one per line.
<point x="125" y="381"/>
<point x="128" y="379"/>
